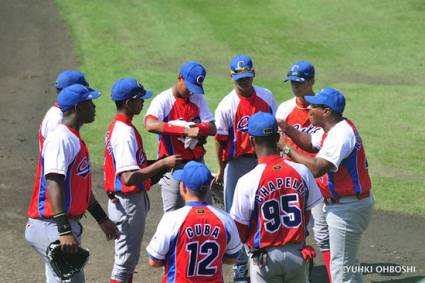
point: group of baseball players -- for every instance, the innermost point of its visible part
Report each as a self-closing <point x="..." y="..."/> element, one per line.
<point x="279" y="167"/>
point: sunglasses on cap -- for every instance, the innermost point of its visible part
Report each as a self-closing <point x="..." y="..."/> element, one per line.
<point x="241" y="70"/>
<point x="297" y="74"/>
<point x="313" y="106"/>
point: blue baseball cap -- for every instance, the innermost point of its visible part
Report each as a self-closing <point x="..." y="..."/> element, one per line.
<point x="262" y="124"/>
<point x="194" y="175"/>
<point x="300" y="71"/>
<point x="129" y="88"/>
<point x="70" y="77"/>
<point x="241" y="67"/>
<point x="328" y="97"/>
<point x="193" y="74"/>
<point x="75" y="94"/>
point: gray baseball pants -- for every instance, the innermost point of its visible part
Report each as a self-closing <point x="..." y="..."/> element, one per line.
<point x="284" y="264"/>
<point x="129" y="214"/>
<point x="39" y="233"/>
<point x="235" y="169"/>
<point x="347" y="221"/>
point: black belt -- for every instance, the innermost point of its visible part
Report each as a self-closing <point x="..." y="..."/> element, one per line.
<point x="346" y="199"/>
<point x="249" y="155"/>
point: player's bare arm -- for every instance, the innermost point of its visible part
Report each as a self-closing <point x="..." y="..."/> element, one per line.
<point x="108" y="227"/>
<point x="317" y="166"/>
<point x="219" y="147"/>
<point x="303" y="140"/>
<point x="133" y="178"/>
<point x="56" y="191"/>
<point x="229" y="260"/>
<point x="156" y="263"/>
<point x="243" y="231"/>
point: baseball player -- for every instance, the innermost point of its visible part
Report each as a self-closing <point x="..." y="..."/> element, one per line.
<point x="194" y="241"/>
<point x="295" y="114"/>
<point x="127" y="176"/>
<point x="234" y="152"/>
<point x="348" y="200"/>
<point x="54" y="115"/>
<point x="269" y="207"/>
<point x="182" y="119"/>
<point x="63" y="191"/>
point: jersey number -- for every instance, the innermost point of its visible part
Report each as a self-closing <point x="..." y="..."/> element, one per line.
<point x="210" y="251"/>
<point x="285" y="213"/>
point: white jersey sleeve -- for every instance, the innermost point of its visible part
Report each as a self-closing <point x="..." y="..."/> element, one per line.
<point x="59" y="150"/>
<point x="204" y="112"/>
<point x="161" y="105"/>
<point x="234" y="244"/>
<point x="224" y="113"/>
<point x="267" y="96"/>
<point x="244" y="197"/>
<point x="338" y="144"/>
<point x="316" y="138"/>
<point x="124" y="147"/>
<point x="314" y="194"/>
<point x="51" y="120"/>
<point x="166" y="231"/>
<point x="285" y="108"/>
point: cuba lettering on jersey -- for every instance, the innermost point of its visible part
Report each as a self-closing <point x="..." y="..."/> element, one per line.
<point x="50" y="121"/>
<point x="123" y="152"/>
<point x="231" y="118"/>
<point x="166" y="107"/>
<point x="64" y="153"/>
<point x="295" y="114"/>
<point x="343" y="147"/>
<point x="193" y="241"/>
<point x="272" y="200"/>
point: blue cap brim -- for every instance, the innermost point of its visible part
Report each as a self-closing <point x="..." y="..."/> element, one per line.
<point x="196" y="89"/>
<point x="294" y="79"/>
<point x="236" y="77"/>
<point x="93" y="94"/>
<point x="178" y="174"/>
<point x="148" y="94"/>
<point x="317" y="100"/>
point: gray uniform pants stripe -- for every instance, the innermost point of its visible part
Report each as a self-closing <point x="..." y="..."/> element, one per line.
<point x="129" y="214"/>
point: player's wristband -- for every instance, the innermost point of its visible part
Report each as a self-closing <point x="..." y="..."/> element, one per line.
<point x="173" y="130"/>
<point x="97" y="212"/>
<point x="204" y="128"/>
<point x="61" y="220"/>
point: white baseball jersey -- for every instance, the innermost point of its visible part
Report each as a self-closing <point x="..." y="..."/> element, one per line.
<point x="272" y="199"/>
<point x="231" y="119"/>
<point x="51" y="120"/>
<point x="193" y="241"/>
<point x="166" y="107"/>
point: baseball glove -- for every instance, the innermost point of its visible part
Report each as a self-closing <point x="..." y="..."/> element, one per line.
<point x="65" y="265"/>
<point x="217" y="193"/>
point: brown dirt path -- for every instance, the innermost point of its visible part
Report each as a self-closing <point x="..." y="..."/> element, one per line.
<point x="34" y="48"/>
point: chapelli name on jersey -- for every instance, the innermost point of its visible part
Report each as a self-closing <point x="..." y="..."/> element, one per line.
<point x="278" y="184"/>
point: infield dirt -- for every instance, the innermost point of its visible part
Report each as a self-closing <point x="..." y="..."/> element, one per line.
<point x="34" y="47"/>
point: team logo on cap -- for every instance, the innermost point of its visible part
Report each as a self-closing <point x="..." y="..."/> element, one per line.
<point x="83" y="168"/>
<point x="295" y="68"/>
<point x="243" y="124"/>
<point x="268" y="131"/>
<point x="240" y="65"/>
<point x="200" y="79"/>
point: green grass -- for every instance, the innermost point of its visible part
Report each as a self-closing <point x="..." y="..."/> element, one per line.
<point x="371" y="50"/>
